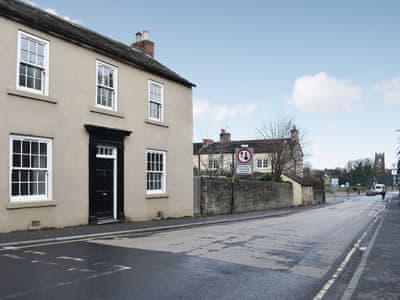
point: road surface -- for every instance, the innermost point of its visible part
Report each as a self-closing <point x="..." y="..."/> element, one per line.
<point x="287" y="257"/>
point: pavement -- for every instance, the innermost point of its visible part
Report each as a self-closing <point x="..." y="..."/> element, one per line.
<point x="378" y="275"/>
<point x="17" y="238"/>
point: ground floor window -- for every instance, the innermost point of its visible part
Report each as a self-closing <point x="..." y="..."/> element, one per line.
<point x="156" y="171"/>
<point x="30" y="168"/>
<point x="213" y="164"/>
<point x="262" y="163"/>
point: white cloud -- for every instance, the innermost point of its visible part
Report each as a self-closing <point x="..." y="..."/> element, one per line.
<point x="390" y="89"/>
<point x="66" y="18"/>
<point x="206" y="111"/>
<point x="321" y="93"/>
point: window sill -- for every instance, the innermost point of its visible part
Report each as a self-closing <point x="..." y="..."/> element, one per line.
<point x="157" y="123"/>
<point x="31" y="96"/>
<point x="156" y="196"/>
<point x="106" y="112"/>
<point x="33" y="204"/>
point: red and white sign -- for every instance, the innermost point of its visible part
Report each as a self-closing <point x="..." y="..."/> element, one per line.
<point x="244" y="156"/>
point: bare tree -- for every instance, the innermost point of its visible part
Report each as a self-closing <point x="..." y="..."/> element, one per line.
<point x="282" y="141"/>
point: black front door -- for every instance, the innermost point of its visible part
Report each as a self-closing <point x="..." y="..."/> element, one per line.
<point x="103" y="183"/>
<point x="104" y="187"/>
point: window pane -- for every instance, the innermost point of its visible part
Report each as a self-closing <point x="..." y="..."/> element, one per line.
<point x="35" y="161"/>
<point x="22" y="75"/>
<point x="25" y="161"/>
<point x="38" y="84"/>
<point x="40" y="49"/>
<point x="40" y="60"/>
<point x="43" y="162"/>
<point x="15" y="189"/>
<point x="43" y="148"/>
<point x="24" y="43"/>
<point x="15" y="175"/>
<point x="24" y="55"/>
<point x="35" y="148"/>
<point x="42" y="188"/>
<point x="42" y="176"/>
<point x="24" y="188"/>
<point x="29" y="82"/>
<point x="111" y="80"/>
<point x="31" y="72"/>
<point x="99" y="77"/>
<point x="34" y="188"/>
<point x="24" y="175"/>
<point x="16" y="160"/>
<point x="16" y="146"/>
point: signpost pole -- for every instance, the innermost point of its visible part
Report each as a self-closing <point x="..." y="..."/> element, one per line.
<point x="233" y="181"/>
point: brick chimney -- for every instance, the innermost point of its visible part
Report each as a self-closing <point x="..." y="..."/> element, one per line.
<point x="224" y="137"/>
<point x="144" y="45"/>
<point x="207" y="142"/>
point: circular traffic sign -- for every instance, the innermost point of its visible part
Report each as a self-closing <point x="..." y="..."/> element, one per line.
<point x="244" y="155"/>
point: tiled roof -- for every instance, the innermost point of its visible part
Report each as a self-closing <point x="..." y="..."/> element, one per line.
<point x="259" y="146"/>
<point x="49" y="23"/>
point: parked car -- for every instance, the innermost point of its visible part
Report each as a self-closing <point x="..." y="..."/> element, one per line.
<point x="380" y="189"/>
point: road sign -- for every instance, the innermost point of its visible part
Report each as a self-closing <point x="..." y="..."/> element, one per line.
<point x="244" y="161"/>
<point x="335" y="182"/>
<point x="244" y="156"/>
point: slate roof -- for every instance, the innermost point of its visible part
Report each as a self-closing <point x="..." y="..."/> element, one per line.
<point x="49" y="23"/>
<point x="259" y="146"/>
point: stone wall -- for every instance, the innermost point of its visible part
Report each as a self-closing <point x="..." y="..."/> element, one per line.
<point x="250" y="195"/>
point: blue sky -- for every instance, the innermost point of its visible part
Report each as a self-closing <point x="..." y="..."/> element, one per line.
<point x="332" y="66"/>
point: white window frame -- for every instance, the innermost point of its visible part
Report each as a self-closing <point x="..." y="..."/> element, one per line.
<point x="163" y="189"/>
<point x="263" y="162"/>
<point x="114" y="106"/>
<point x="48" y="186"/>
<point x="45" y="79"/>
<point x="161" y="119"/>
<point x="213" y="164"/>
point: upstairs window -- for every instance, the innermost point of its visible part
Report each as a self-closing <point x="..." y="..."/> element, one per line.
<point x="32" y="70"/>
<point x="106" y="92"/>
<point x="156" y="95"/>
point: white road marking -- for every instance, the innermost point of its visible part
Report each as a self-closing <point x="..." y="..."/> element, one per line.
<point x="71" y="258"/>
<point x="66" y="283"/>
<point x="340" y="269"/>
<point x="35" y="252"/>
<point x="13" y="256"/>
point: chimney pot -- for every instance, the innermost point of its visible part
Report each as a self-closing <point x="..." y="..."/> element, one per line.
<point x="145" y="35"/>
<point x="138" y="36"/>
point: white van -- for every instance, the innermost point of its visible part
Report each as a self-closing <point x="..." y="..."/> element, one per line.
<point x="380" y="188"/>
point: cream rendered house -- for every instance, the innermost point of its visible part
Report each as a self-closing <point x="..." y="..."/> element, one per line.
<point x="210" y="156"/>
<point x="91" y="130"/>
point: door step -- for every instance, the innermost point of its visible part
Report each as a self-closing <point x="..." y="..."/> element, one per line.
<point x="107" y="221"/>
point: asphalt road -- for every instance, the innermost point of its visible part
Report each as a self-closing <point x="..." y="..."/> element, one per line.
<point x="288" y="257"/>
